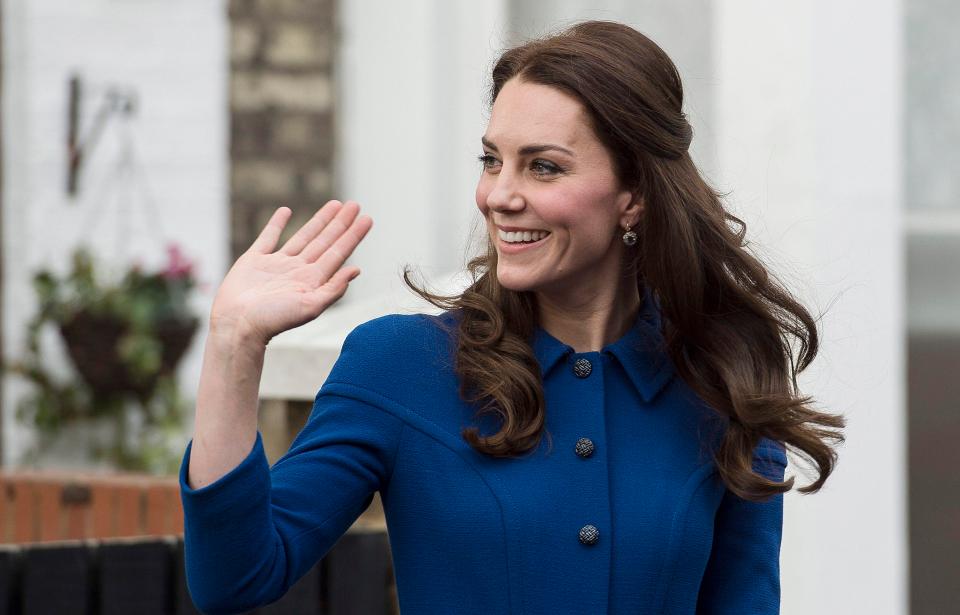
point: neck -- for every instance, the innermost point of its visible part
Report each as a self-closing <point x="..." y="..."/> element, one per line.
<point x="589" y="320"/>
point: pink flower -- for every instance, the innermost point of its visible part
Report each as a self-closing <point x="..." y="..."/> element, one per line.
<point x="178" y="266"/>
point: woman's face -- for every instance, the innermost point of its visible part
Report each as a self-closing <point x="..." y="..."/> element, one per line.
<point x="545" y="170"/>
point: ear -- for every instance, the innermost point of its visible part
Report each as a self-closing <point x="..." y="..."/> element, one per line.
<point x="633" y="211"/>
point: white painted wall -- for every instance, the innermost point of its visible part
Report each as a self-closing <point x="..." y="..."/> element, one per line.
<point x="412" y="81"/>
<point x="808" y="124"/>
<point x="173" y="52"/>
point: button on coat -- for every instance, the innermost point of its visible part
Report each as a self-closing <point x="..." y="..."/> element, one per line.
<point x="582" y="367"/>
<point x="584" y="447"/>
<point x="589" y="535"/>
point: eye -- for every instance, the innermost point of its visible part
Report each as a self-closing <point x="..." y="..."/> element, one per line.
<point x="487" y="161"/>
<point x="542" y="167"/>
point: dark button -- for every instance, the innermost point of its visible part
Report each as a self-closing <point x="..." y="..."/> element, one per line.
<point x="582" y="368"/>
<point x="589" y="535"/>
<point x="584" y="447"/>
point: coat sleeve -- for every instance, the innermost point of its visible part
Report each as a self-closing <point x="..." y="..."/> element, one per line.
<point x="743" y="574"/>
<point x="254" y="532"/>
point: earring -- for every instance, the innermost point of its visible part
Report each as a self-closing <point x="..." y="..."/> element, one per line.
<point x="629" y="237"/>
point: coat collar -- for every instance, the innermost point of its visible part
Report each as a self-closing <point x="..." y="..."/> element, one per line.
<point x="639" y="351"/>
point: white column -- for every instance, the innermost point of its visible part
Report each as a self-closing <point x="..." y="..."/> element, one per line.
<point x="412" y="80"/>
<point x="808" y="141"/>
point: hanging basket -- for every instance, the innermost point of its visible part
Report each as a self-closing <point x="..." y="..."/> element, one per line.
<point x="92" y="342"/>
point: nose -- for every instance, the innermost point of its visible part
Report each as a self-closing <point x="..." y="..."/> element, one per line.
<point x="504" y="194"/>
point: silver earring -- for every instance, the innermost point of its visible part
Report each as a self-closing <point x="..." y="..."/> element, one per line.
<point x="629" y="237"/>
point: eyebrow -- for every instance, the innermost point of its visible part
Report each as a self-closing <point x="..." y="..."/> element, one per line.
<point x="529" y="149"/>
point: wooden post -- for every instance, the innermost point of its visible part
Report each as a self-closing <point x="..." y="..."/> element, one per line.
<point x="10" y="564"/>
<point x="359" y="574"/>
<point x="135" y="576"/>
<point x="58" y="579"/>
<point x="274" y="428"/>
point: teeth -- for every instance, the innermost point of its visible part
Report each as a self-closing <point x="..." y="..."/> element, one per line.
<point x="518" y="236"/>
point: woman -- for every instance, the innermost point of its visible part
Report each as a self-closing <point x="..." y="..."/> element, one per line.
<point x="615" y="312"/>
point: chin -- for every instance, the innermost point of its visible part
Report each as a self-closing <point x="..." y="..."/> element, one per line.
<point x="515" y="283"/>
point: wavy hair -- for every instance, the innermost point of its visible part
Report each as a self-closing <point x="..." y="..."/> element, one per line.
<point x="727" y="323"/>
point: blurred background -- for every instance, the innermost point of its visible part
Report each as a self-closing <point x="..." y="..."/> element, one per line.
<point x="145" y="143"/>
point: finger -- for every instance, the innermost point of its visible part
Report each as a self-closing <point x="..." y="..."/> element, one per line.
<point x="331" y="260"/>
<point x="314" y="225"/>
<point x="266" y="241"/>
<point x="331" y="292"/>
<point x="340" y="280"/>
<point x="328" y="293"/>
<point x="331" y="232"/>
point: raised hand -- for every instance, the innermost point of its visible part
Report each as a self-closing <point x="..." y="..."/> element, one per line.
<point x="267" y="292"/>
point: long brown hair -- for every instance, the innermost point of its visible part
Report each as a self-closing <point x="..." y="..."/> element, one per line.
<point x="727" y="323"/>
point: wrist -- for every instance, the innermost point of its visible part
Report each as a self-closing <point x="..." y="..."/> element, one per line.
<point x="235" y="332"/>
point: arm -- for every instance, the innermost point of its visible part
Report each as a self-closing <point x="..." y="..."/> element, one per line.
<point x="225" y="422"/>
<point x="264" y="293"/>
<point x="743" y="574"/>
<point x="255" y="531"/>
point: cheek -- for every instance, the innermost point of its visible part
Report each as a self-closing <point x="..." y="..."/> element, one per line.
<point x="566" y="211"/>
<point x="588" y="219"/>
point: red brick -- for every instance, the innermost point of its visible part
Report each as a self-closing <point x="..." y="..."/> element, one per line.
<point x="102" y="509"/>
<point x="6" y="521"/>
<point x="78" y="521"/>
<point x="77" y="503"/>
<point x="157" y="509"/>
<point x="176" y="511"/>
<point x="23" y="513"/>
<point x="48" y="494"/>
<point x="34" y="506"/>
<point x="128" y="510"/>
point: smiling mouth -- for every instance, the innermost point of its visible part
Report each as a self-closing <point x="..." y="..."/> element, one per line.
<point x="521" y="237"/>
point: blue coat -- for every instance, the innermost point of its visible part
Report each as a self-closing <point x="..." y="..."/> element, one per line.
<point x="619" y="510"/>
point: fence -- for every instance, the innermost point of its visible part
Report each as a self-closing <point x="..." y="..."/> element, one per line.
<point x="112" y="544"/>
<point x="145" y="576"/>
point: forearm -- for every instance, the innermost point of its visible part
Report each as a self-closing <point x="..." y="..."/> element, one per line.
<point x="225" y="426"/>
<point x="255" y="531"/>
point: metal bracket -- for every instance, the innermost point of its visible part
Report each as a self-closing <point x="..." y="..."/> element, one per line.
<point x="116" y="100"/>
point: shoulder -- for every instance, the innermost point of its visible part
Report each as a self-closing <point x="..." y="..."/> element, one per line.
<point x="392" y="327"/>
<point x="402" y="362"/>
<point x="395" y="346"/>
<point x="395" y="335"/>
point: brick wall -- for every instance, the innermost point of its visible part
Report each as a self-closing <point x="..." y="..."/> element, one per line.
<point x="281" y="112"/>
<point x="41" y="506"/>
<point x="47" y="505"/>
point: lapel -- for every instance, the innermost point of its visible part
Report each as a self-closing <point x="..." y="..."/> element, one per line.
<point x="640" y="351"/>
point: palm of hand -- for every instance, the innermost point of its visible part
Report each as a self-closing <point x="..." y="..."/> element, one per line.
<point x="267" y="292"/>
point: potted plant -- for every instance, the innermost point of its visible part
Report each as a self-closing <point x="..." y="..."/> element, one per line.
<point x="124" y="340"/>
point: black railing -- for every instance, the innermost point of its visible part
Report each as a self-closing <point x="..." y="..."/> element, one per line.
<point x="144" y="576"/>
